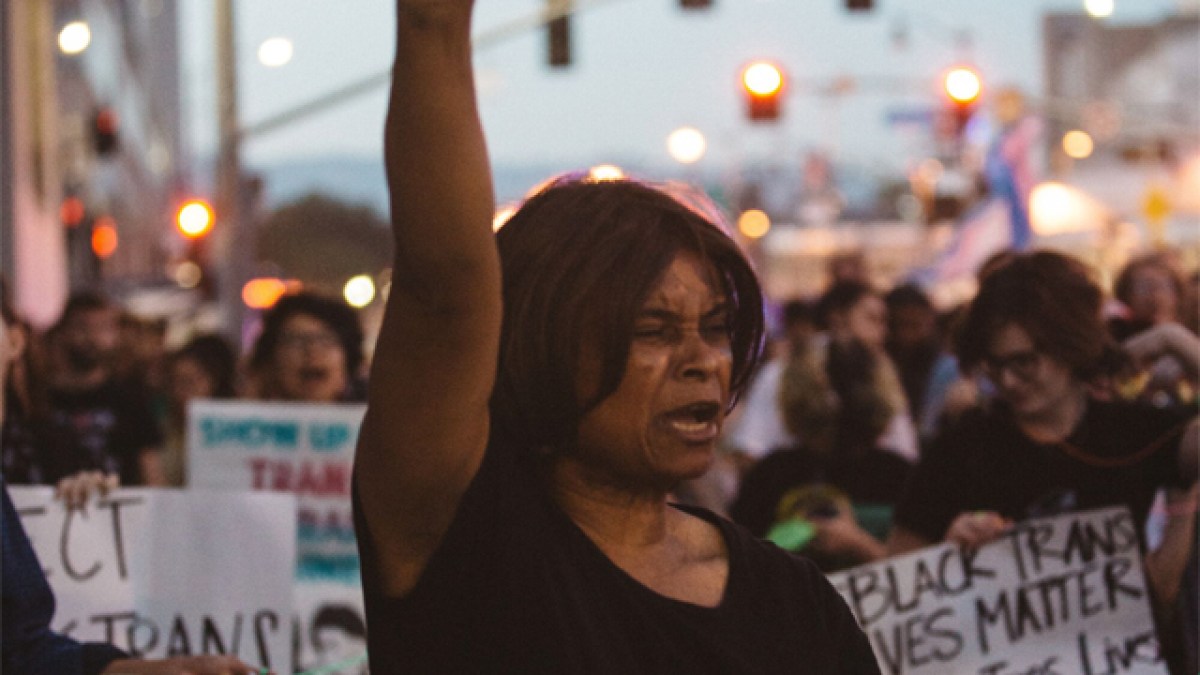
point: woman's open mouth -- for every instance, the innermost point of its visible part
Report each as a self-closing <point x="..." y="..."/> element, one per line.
<point x="696" y="423"/>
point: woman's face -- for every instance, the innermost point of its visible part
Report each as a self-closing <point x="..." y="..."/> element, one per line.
<point x="189" y="380"/>
<point x="865" y="321"/>
<point x="661" y="424"/>
<point x="1152" y="296"/>
<point x="309" y="362"/>
<point x="1034" y="385"/>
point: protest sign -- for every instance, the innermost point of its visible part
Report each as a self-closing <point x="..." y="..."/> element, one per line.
<point x="1055" y="595"/>
<point x="164" y="573"/>
<point x="306" y="449"/>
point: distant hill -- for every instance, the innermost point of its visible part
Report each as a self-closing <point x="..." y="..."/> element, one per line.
<point x="361" y="180"/>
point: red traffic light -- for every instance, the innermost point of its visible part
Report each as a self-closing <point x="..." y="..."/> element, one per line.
<point x="194" y="218"/>
<point x="104" y="131"/>
<point x="763" y="83"/>
<point x="962" y="85"/>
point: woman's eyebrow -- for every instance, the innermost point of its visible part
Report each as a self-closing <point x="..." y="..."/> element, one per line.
<point x="719" y="310"/>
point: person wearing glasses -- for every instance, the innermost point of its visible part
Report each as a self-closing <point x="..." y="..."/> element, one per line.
<point x="1044" y="444"/>
<point x="310" y="349"/>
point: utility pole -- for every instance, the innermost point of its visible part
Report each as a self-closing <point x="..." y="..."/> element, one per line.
<point x="233" y="253"/>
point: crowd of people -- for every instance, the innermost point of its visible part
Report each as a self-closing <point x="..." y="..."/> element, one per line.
<point x="546" y="402"/>
<point x="878" y="424"/>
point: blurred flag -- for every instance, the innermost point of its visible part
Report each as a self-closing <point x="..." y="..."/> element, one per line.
<point x="1001" y="221"/>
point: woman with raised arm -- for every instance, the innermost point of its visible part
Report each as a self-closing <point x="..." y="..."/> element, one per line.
<point x="522" y="437"/>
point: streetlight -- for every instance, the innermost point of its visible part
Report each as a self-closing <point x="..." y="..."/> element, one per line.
<point x="74" y="38"/>
<point x="275" y="52"/>
<point x="687" y="145"/>
<point x="1098" y="9"/>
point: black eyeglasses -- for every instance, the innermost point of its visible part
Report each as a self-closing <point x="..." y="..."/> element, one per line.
<point x="1024" y="365"/>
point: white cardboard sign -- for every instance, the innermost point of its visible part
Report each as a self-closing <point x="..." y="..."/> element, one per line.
<point x="163" y="573"/>
<point x="1054" y="596"/>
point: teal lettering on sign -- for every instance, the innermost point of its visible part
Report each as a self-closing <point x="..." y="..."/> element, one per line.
<point x="251" y="432"/>
<point x="328" y="437"/>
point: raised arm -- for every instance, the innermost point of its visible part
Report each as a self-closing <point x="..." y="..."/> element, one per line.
<point x="426" y="425"/>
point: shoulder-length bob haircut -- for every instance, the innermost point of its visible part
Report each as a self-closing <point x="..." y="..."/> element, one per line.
<point x="579" y="260"/>
<point x="1050" y="296"/>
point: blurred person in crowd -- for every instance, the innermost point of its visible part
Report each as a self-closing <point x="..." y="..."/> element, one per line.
<point x="758" y="427"/>
<point x="96" y="421"/>
<point x="916" y="345"/>
<point x="25" y="408"/>
<point x="28" y="646"/>
<point x="535" y="396"/>
<point x="338" y="636"/>
<point x="847" y="266"/>
<point x="1152" y="290"/>
<point x="1044" y="445"/>
<point x="843" y="399"/>
<point x="141" y="349"/>
<point x="1153" y="293"/>
<point x="310" y="349"/>
<point x="204" y="368"/>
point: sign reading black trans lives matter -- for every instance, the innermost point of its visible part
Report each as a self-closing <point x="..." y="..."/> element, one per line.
<point x="1062" y="595"/>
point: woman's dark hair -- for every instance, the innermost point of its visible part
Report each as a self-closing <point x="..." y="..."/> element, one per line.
<point x="840" y="297"/>
<point x="337" y="315"/>
<point x="579" y="260"/>
<point x="1050" y="296"/>
<point x="216" y="357"/>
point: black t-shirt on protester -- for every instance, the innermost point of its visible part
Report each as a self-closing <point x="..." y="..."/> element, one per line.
<point x="104" y="428"/>
<point x="517" y="587"/>
<point x="1118" y="454"/>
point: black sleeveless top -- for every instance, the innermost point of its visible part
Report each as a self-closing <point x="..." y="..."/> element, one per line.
<point x="517" y="587"/>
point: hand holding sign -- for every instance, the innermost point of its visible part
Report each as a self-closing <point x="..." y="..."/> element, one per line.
<point x="974" y="529"/>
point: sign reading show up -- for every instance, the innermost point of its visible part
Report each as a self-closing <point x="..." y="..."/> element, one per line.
<point x="164" y="573"/>
<point x="1053" y="596"/>
<point x="305" y="449"/>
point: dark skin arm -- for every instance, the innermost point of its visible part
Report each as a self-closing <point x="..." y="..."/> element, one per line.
<point x="426" y="425"/>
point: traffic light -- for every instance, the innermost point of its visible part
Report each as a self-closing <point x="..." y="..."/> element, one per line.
<point x="194" y="218"/>
<point x="695" y="4"/>
<point x="558" y="33"/>
<point x="962" y="87"/>
<point x="104" y="131"/>
<point x="762" y="83"/>
<point x="860" y="5"/>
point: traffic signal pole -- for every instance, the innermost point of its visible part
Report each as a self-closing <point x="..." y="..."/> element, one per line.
<point x="233" y="239"/>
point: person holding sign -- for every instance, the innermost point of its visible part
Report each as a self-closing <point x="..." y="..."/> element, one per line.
<point x="1045" y="445"/>
<point x="29" y="647"/>
<point x="535" y="397"/>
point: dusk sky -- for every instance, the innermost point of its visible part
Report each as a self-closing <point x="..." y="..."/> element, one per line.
<point x="642" y="68"/>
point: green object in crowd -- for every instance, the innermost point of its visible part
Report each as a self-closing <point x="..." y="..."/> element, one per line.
<point x="792" y="534"/>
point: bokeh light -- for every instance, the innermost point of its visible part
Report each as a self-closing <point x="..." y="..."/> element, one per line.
<point x="104" y="237"/>
<point x="754" y="223"/>
<point x="1099" y="9"/>
<point x="275" y="52"/>
<point x="74" y="38"/>
<point x="687" y="145"/>
<point x="359" y="291"/>
<point x="1077" y="144"/>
